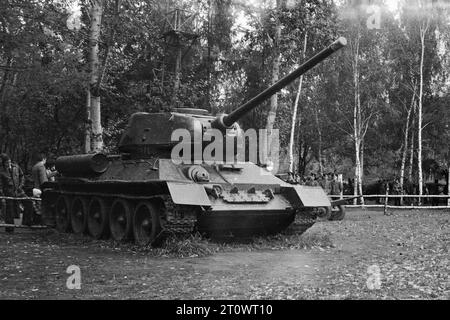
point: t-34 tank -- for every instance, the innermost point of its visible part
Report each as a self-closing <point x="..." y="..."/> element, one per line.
<point x="143" y="192"/>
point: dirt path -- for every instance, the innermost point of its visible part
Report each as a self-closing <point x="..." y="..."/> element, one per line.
<point x="410" y="249"/>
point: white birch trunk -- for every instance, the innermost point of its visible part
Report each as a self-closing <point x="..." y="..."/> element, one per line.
<point x="94" y="35"/>
<point x="448" y="183"/>
<point x="319" y="132"/>
<point x="405" y="146"/>
<point x="411" y="151"/>
<point x="357" y="120"/>
<point x="275" y="75"/>
<point x="361" y="169"/>
<point x="423" y="31"/>
<point x="294" y="114"/>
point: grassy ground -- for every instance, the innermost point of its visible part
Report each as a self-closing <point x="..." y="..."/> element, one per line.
<point x="332" y="260"/>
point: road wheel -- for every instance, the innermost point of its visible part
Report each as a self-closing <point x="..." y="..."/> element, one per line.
<point x="97" y="220"/>
<point x="78" y="215"/>
<point x="338" y="214"/>
<point x="324" y="213"/>
<point x="120" y="222"/>
<point x="62" y="214"/>
<point x="146" y="223"/>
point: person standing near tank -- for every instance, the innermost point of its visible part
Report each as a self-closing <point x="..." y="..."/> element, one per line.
<point x="51" y="170"/>
<point x="335" y="187"/>
<point x="11" y="185"/>
<point x="328" y="182"/>
<point x="397" y="190"/>
<point x="39" y="173"/>
<point x="40" y="176"/>
<point x="322" y="179"/>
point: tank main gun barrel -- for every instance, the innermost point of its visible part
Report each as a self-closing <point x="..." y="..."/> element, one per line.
<point x="227" y="120"/>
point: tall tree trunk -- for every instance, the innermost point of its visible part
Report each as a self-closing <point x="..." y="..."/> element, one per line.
<point x="96" y="19"/>
<point x="209" y="60"/>
<point x="405" y="145"/>
<point x="319" y="133"/>
<point x="423" y="31"/>
<point x="176" y="84"/>
<point x="5" y="79"/>
<point x="294" y="113"/>
<point x="357" y="170"/>
<point x="275" y="75"/>
<point x="357" y="120"/>
<point x="88" y="124"/>
<point x="448" y="181"/>
<point x="411" y="152"/>
<point x="361" y="169"/>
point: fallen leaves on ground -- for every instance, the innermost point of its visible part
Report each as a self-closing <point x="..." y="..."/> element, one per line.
<point x="331" y="260"/>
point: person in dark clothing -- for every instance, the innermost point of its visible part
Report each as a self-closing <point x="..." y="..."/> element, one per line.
<point x="11" y="185"/>
<point x="39" y="172"/>
<point x="382" y="190"/>
<point x="40" y="176"/>
<point x="335" y="187"/>
<point x="397" y="190"/>
<point x="434" y="190"/>
<point x="322" y="181"/>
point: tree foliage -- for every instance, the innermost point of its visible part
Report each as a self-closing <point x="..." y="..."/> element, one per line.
<point x="226" y="59"/>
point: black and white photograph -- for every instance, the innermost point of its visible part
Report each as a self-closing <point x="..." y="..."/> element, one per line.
<point x="243" y="152"/>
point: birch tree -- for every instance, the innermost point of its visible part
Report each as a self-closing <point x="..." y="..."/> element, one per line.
<point x="423" y="29"/>
<point x="294" y="113"/>
<point x="96" y="12"/>
<point x="275" y="73"/>
<point x="405" y="140"/>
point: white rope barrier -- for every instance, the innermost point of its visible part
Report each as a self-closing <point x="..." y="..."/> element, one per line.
<point x="19" y="198"/>
<point x="394" y="207"/>
<point x="397" y="196"/>
<point x="22" y="226"/>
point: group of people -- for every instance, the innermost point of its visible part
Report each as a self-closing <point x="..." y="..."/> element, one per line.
<point x="12" y="183"/>
<point x="409" y="188"/>
<point x="330" y="182"/>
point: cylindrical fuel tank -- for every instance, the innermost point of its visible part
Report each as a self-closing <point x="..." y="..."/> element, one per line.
<point x="82" y="164"/>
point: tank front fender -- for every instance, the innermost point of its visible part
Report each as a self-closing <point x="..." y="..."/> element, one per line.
<point x="306" y="196"/>
<point x="188" y="194"/>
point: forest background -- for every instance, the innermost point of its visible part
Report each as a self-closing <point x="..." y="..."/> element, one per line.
<point x="72" y="72"/>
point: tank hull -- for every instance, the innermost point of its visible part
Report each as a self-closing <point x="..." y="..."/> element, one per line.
<point x="156" y="196"/>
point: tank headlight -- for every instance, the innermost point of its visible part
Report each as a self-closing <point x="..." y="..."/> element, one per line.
<point x="198" y="174"/>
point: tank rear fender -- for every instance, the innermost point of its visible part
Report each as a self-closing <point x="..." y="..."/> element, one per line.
<point x="188" y="194"/>
<point x="306" y="196"/>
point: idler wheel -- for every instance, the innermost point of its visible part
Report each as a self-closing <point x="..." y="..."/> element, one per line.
<point x="146" y="223"/>
<point x="338" y="214"/>
<point x="324" y="213"/>
<point x="120" y="223"/>
<point x="97" y="220"/>
<point x="78" y="215"/>
<point x="62" y="214"/>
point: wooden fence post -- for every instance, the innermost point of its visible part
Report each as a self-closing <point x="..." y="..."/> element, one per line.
<point x="386" y="200"/>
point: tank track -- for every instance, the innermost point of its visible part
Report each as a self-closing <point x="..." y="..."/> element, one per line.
<point x="304" y="219"/>
<point x="179" y="219"/>
<point x="175" y="218"/>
